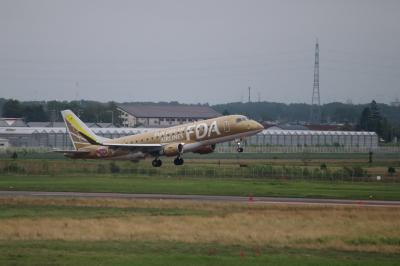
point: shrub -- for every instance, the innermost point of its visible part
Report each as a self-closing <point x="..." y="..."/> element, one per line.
<point x="359" y="171"/>
<point x="13" y="167"/>
<point x="355" y="171"/>
<point x="101" y="169"/>
<point x="306" y="172"/>
<point x="114" y="168"/>
<point x="45" y="167"/>
<point x="391" y="170"/>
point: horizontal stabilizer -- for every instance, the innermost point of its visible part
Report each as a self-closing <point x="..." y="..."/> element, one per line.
<point x="71" y="151"/>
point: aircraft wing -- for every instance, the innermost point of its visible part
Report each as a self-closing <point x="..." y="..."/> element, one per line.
<point x="135" y="147"/>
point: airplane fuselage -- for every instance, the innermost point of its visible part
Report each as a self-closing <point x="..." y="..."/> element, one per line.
<point x="200" y="136"/>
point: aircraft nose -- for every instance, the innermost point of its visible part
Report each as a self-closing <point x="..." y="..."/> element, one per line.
<point x="256" y="126"/>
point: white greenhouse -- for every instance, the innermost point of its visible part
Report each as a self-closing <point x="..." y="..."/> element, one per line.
<point x="56" y="137"/>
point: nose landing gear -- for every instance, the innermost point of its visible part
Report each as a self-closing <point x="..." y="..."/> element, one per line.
<point x="239" y="145"/>
<point x="179" y="160"/>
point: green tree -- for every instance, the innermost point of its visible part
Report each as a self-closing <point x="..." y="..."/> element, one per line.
<point x="372" y="120"/>
<point x="375" y="119"/>
<point x="12" y="108"/>
<point x="364" y="119"/>
<point x="35" y="113"/>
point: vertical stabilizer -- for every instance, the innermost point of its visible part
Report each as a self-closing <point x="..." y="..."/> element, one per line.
<point x="80" y="134"/>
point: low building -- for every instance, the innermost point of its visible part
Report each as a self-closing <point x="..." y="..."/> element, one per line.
<point x="58" y="137"/>
<point x="286" y="127"/>
<point x="143" y="115"/>
<point x="62" y="124"/>
<point x="12" y="122"/>
<point x="315" y="138"/>
<point x="4" y="143"/>
<point x="396" y="103"/>
<point x="45" y="124"/>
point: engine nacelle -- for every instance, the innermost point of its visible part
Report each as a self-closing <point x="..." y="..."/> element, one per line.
<point x="205" y="149"/>
<point x="102" y="152"/>
<point x="173" y="149"/>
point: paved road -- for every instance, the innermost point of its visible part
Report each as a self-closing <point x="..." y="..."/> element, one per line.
<point x="259" y="200"/>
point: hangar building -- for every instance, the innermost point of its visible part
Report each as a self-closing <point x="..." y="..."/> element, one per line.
<point x="154" y="116"/>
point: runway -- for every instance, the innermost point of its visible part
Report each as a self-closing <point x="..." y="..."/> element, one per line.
<point x="249" y="199"/>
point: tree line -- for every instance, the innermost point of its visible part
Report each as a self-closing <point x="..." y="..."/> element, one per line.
<point x="381" y="118"/>
<point x="334" y="112"/>
<point x="88" y="111"/>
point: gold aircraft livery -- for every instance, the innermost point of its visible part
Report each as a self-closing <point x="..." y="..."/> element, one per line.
<point x="198" y="137"/>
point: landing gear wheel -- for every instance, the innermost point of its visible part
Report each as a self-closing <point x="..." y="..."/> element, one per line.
<point x="156" y="163"/>
<point x="239" y="145"/>
<point x="178" y="161"/>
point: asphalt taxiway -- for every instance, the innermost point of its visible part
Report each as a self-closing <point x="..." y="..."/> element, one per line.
<point x="251" y="199"/>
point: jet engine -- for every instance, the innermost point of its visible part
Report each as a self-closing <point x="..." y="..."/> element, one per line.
<point x="173" y="149"/>
<point x="205" y="149"/>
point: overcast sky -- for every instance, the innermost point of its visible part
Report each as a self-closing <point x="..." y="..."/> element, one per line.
<point x="199" y="51"/>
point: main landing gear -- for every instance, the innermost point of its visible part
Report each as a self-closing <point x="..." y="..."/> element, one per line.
<point x="178" y="161"/>
<point x="156" y="162"/>
<point x="239" y="145"/>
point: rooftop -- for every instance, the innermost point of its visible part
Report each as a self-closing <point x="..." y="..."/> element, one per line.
<point x="12" y="122"/>
<point x="173" y="111"/>
<point x="132" y="131"/>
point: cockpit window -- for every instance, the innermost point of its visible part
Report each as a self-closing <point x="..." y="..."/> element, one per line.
<point x="241" y="118"/>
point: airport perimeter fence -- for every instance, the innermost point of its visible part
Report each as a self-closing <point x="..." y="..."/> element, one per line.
<point x="309" y="149"/>
<point x="261" y="172"/>
<point x="303" y="154"/>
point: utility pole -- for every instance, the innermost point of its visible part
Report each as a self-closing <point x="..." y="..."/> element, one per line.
<point x="249" y="94"/>
<point x="53" y="117"/>
<point x="315" y="114"/>
<point x="112" y="116"/>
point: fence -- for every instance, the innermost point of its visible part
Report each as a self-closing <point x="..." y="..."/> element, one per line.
<point x="347" y="173"/>
<point x="310" y="149"/>
<point x="254" y="149"/>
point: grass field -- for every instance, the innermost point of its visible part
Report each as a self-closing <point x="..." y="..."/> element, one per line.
<point x="337" y="169"/>
<point x="74" y="231"/>
<point x="202" y="186"/>
<point x="174" y="253"/>
<point x="41" y="231"/>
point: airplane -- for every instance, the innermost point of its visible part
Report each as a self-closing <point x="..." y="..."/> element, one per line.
<point x="197" y="137"/>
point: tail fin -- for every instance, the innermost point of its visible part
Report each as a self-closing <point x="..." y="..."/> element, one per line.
<point x="80" y="134"/>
